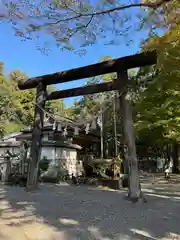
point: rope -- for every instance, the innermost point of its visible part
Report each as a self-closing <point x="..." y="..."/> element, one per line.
<point x="72" y="122"/>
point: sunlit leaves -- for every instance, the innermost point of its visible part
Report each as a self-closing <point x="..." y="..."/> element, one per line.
<point x="158" y="105"/>
<point x="81" y="23"/>
<point x="17" y="107"/>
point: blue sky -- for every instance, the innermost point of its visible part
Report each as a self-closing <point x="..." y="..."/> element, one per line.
<point x="24" y="56"/>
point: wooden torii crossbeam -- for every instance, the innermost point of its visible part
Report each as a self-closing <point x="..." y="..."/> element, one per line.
<point x="114" y="65"/>
<point x="120" y="66"/>
<point x="81" y="91"/>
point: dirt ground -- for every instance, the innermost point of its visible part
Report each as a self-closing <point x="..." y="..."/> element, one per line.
<point x="63" y="212"/>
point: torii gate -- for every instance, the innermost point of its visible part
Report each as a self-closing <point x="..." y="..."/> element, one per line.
<point x="120" y="66"/>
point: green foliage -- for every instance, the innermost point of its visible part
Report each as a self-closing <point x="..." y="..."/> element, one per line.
<point x="88" y="108"/>
<point x="155" y="94"/>
<point x="158" y="103"/>
<point x="17" y="107"/>
<point x="55" y="106"/>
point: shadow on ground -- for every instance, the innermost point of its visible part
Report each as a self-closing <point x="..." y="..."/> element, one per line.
<point x="68" y="212"/>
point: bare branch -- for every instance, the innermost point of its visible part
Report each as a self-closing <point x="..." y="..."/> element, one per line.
<point x="154" y="6"/>
<point x="84" y="26"/>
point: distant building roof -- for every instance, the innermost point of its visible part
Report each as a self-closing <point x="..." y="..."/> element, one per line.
<point x="11" y="136"/>
<point x="4" y="144"/>
<point x="48" y="127"/>
<point x="44" y="144"/>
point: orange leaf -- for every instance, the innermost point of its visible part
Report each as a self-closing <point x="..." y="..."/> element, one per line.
<point x="20" y="15"/>
<point x="18" y="33"/>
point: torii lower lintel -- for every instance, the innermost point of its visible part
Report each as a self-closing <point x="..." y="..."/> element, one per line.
<point x="81" y="91"/>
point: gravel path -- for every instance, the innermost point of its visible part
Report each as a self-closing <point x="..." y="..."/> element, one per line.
<point x="68" y="213"/>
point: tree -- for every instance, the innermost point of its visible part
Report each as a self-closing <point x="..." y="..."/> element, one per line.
<point x="5" y="101"/>
<point x="157" y="105"/>
<point x="162" y="19"/>
<point x="156" y="95"/>
<point x="55" y="106"/>
<point x="73" y="24"/>
<point x="17" y="107"/>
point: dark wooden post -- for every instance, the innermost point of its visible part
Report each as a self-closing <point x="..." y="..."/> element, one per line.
<point x="129" y="139"/>
<point x="41" y="94"/>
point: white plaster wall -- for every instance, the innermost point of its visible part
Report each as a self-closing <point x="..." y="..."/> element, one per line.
<point x="61" y="156"/>
<point x="47" y="152"/>
<point x="45" y="137"/>
<point x="58" y="153"/>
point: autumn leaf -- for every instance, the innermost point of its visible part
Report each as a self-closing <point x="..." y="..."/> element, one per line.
<point x="20" y="15"/>
<point x="20" y="34"/>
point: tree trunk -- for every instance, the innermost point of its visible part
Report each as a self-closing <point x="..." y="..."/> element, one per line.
<point x="176" y="158"/>
<point x="32" y="181"/>
<point x="127" y="122"/>
<point x="126" y="160"/>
